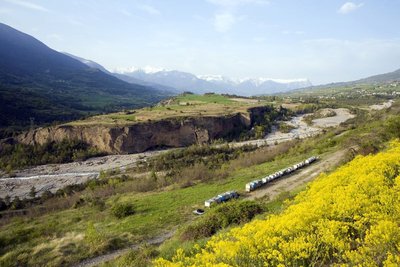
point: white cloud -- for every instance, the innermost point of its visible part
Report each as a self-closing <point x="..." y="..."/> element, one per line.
<point x="223" y="22"/>
<point x="28" y="5"/>
<point x="287" y="32"/>
<point x="300" y="32"/>
<point x="233" y="3"/>
<point x="125" y="12"/>
<point x="150" y="9"/>
<point x="349" y="7"/>
<point x="227" y="15"/>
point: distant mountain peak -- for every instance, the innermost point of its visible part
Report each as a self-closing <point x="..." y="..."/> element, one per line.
<point x="185" y="81"/>
<point x="214" y="78"/>
<point x="146" y="69"/>
<point x="261" y="80"/>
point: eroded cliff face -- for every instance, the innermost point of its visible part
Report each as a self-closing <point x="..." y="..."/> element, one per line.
<point x="174" y="132"/>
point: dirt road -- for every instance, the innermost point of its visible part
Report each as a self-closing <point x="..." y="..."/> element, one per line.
<point x="114" y="254"/>
<point x="300" y="177"/>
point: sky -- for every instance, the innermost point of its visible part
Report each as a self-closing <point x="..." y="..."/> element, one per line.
<point x="322" y="40"/>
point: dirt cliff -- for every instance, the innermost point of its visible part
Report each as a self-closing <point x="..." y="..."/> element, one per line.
<point x="174" y="132"/>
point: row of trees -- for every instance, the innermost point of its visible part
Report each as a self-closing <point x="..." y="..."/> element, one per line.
<point x="14" y="156"/>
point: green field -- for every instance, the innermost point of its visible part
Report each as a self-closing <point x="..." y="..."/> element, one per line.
<point x="186" y="105"/>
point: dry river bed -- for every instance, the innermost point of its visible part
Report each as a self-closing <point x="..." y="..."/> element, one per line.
<point x="55" y="176"/>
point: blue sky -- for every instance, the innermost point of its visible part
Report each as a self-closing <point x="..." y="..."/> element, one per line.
<point x="323" y="40"/>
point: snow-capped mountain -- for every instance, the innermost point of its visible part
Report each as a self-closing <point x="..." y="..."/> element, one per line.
<point x="185" y="81"/>
<point x="128" y="79"/>
<point x="261" y="86"/>
<point x="146" y="69"/>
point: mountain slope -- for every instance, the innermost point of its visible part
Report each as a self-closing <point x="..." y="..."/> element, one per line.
<point x="42" y="85"/>
<point x="89" y="63"/>
<point x="375" y="79"/>
<point x="386" y="77"/>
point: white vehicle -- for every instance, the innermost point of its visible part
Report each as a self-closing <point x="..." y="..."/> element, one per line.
<point x="258" y="183"/>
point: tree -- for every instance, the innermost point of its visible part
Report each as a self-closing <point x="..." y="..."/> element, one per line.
<point x="32" y="192"/>
<point x="393" y="126"/>
<point x="17" y="204"/>
<point x="259" y="131"/>
<point x="7" y="200"/>
<point x="46" y="195"/>
<point x="3" y="205"/>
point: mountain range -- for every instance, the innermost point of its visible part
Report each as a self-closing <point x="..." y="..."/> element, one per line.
<point x="179" y="81"/>
<point x="40" y="85"/>
<point x="185" y="81"/>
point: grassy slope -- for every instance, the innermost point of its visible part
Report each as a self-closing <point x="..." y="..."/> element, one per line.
<point x="156" y="213"/>
<point x="348" y="217"/>
<point x="87" y="231"/>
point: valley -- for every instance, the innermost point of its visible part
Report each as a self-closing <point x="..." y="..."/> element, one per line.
<point x="56" y="176"/>
<point x="217" y="143"/>
<point x="107" y="165"/>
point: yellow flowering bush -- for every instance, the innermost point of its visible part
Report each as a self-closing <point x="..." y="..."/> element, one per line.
<point x="347" y="218"/>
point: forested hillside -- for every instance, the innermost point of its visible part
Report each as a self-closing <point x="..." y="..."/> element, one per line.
<point x="40" y="85"/>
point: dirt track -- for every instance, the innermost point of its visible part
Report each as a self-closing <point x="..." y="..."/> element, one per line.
<point x="114" y="254"/>
<point x="300" y="177"/>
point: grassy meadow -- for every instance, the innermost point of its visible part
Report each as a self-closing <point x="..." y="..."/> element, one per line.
<point x="185" y="105"/>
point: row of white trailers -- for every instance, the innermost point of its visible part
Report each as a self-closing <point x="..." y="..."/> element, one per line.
<point x="258" y="183"/>
<point x="221" y="198"/>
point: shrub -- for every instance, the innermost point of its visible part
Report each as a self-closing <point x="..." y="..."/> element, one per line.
<point x="140" y="257"/>
<point x="14" y="156"/>
<point x="393" y="126"/>
<point x="3" y="205"/>
<point x="234" y="212"/>
<point x="285" y="128"/>
<point x="17" y="204"/>
<point x="122" y="210"/>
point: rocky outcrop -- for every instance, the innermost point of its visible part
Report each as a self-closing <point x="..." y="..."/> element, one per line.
<point x="174" y="132"/>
